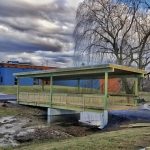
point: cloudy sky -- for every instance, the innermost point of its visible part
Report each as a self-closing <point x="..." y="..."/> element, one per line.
<point x="39" y="31"/>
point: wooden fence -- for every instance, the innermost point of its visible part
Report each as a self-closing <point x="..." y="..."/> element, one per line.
<point x="83" y="101"/>
<point x="76" y="100"/>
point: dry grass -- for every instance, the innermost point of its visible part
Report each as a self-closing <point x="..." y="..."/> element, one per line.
<point x="126" y="139"/>
<point x="16" y="110"/>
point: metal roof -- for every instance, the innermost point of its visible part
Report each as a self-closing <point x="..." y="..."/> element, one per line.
<point x="24" y="66"/>
<point x="92" y="72"/>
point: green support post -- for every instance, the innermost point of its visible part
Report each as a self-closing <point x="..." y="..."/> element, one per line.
<point x="18" y="87"/>
<point x="106" y="91"/>
<point x="51" y="90"/>
<point x="78" y="86"/>
<point x="136" y="90"/>
<point x="42" y="85"/>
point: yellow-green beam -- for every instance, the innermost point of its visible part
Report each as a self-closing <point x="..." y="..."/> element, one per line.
<point x="136" y="87"/>
<point x="136" y="90"/>
<point x="51" y="90"/>
<point x="18" y="87"/>
<point x="106" y="91"/>
<point x="78" y="85"/>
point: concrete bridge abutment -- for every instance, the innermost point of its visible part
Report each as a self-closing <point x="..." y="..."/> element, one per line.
<point x="98" y="119"/>
<point x="54" y="115"/>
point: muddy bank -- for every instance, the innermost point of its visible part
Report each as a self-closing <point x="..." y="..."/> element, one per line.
<point x="15" y="130"/>
<point x="26" y="125"/>
<point x="9" y="127"/>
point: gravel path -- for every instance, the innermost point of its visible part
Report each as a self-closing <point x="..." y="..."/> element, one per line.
<point x="142" y="113"/>
<point x="7" y="97"/>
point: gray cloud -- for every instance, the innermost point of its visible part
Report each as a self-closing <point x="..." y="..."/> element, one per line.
<point x="41" y="29"/>
<point x="41" y="57"/>
<point x="17" y="8"/>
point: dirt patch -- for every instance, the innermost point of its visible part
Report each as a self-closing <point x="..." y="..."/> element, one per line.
<point x="16" y="119"/>
<point x="75" y="129"/>
<point x="27" y="126"/>
<point x="41" y="134"/>
<point x="16" y="130"/>
<point x="9" y="126"/>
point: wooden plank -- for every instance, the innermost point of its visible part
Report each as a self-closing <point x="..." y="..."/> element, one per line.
<point x="126" y="68"/>
<point x="106" y="91"/>
<point x="65" y="73"/>
<point x="137" y="125"/>
<point x="51" y="90"/>
<point x="81" y="70"/>
<point x="72" y="100"/>
<point x="18" y="88"/>
<point x="136" y="87"/>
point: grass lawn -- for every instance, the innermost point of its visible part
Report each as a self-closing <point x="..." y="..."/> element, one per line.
<point x="11" y="110"/>
<point x="126" y="139"/>
<point x="8" y="89"/>
<point x="8" y="112"/>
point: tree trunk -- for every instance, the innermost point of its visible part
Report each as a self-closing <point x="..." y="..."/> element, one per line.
<point x="127" y="87"/>
<point x="140" y="84"/>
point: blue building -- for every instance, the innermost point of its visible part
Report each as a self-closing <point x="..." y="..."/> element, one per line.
<point x="93" y="83"/>
<point x="7" y="70"/>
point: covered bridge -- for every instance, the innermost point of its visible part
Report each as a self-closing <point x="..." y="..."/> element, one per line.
<point x="89" y="104"/>
<point x="79" y="101"/>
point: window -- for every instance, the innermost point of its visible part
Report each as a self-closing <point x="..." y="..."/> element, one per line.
<point x="1" y="79"/>
<point x="15" y="81"/>
<point x="36" y="81"/>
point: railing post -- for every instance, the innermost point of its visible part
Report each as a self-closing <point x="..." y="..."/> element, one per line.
<point x="136" y="87"/>
<point x="78" y="86"/>
<point x="83" y="102"/>
<point x="18" y="87"/>
<point x="51" y="91"/>
<point x="106" y="91"/>
<point x="136" y="90"/>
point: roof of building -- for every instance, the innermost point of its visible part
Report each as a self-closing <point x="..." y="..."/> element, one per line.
<point x="86" y="72"/>
<point x="24" y="66"/>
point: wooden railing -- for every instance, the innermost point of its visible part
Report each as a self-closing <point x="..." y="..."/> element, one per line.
<point x="76" y="100"/>
<point x="73" y="100"/>
<point x="122" y="100"/>
<point x="39" y="98"/>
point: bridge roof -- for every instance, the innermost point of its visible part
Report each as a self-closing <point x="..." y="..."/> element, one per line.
<point x="93" y="72"/>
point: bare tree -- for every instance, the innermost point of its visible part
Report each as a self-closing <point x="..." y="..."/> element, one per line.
<point x="116" y="28"/>
<point x="115" y="31"/>
<point x="143" y="31"/>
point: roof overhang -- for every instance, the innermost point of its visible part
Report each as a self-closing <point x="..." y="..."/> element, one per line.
<point x="94" y="72"/>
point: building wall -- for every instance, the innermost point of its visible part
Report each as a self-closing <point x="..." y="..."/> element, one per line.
<point x="7" y="78"/>
<point x="114" y="86"/>
<point x="83" y="83"/>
